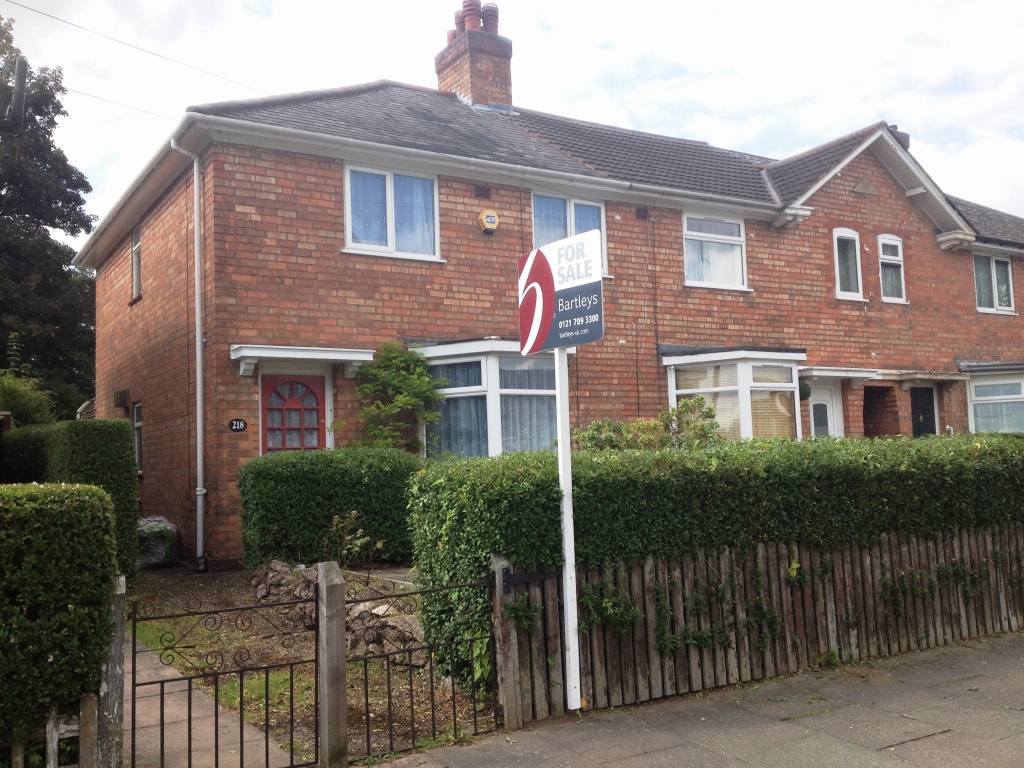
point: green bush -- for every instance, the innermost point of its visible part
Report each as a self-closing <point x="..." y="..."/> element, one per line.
<point x="92" y="452"/>
<point x="290" y="500"/>
<point x="56" y="584"/>
<point x="24" y="400"/>
<point x="629" y="504"/>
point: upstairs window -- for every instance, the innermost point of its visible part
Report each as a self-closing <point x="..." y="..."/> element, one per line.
<point x="993" y="284"/>
<point x="890" y="260"/>
<point x="391" y="214"/>
<point x="555" y="218"/>
<point x="714" y="253"/>
<point x="136" y="262"/>
<point x="847" y="253"/>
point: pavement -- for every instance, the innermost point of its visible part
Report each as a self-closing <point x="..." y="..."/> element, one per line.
<point x="956" y="706"/>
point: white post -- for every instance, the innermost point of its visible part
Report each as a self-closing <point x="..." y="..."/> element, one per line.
<point x="572" y="637"/>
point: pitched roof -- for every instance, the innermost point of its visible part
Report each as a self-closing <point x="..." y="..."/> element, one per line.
<point x="795" y="175"/>
<point x="989" y="223"/>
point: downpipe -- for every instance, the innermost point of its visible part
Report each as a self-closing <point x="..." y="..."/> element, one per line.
<point x="200" y="435"/>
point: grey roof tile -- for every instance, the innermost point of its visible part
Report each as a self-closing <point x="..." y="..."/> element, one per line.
<point x="989" y="223"/>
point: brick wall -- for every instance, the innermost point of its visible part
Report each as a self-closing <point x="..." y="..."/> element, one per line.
<point x="276" y="274"/>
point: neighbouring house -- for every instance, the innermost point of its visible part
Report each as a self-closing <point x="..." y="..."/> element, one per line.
<point x="330" y="222"/>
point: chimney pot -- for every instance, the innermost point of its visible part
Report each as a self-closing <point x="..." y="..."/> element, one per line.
<point x="452" y="33"/>
<point x="460" y="23"/>
<point x="471" y="13"/>
<point x="490" y="18"/>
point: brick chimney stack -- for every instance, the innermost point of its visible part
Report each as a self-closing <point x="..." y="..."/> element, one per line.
<point x="477" y="62"/>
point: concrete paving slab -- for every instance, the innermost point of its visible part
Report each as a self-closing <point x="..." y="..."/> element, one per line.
<point x="822" y="751"/>
<point x="869" y="728"/>
<point x="960" y="750"/>
<point x="979" y="719"/>
<point x="684" y="756"/>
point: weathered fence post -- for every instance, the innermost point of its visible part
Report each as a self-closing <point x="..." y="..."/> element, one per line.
<point x="110" y="703"/>
<point x="87" y="715"/>
<point x="506" y="651"/>
<point x="331" y="648"/>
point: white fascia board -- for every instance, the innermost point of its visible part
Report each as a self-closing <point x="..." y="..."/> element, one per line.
<point x="736" y="356"/>
<point x="839" y="166"/>
<point x="248" y="355"/>
<point x="475" y="347"/>
<point x="993" y="249"/>
<point x="826" y="372"/>
<point x="196" y="130"/>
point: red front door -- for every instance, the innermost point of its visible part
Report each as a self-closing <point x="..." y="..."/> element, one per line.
<point x="293" y="413"/>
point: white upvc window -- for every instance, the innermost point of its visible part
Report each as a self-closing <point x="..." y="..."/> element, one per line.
<point x="846" y="244"/>
<point x="137" y="433"/>
<point x="494" y="404"/>
<point x="753" y="398"/>
<point x="136" y="262"/>
<point x="555" y="218"/>
<point x="391" y="214"/>
<point x="996" y="403"/>
<point x="714" y="252"/>
<point x="993" y="284"/>
<point x="890" y="268"/>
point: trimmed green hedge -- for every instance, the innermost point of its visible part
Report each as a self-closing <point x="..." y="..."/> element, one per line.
<point x="629" y="504"/>
<point x="94" y="452"/>
<point x="290" y="499"/>
<point x="56" y="585"/>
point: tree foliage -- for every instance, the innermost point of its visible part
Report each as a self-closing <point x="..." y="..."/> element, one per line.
<point x="400" y="396"/>
<point x="20" y="394"/>
<point x="49" y="303"/>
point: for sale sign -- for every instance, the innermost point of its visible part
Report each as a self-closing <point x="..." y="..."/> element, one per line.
<point x="560" y="298"/>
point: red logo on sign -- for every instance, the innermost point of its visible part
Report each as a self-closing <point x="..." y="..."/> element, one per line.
<point x="536" y="301"/>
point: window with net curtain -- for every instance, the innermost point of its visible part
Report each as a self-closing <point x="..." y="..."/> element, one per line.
<point x="526" y="407"/>
<point x="847" y="245"/>
<point x="890" y="257"/>
<point x="993" y="283"/>
<point x="392" y="212"/>
<point x="998" y="407"/>
<point x="555" y="218"/>
<point x="713" y="252"/>
<point x="770" y="390"/>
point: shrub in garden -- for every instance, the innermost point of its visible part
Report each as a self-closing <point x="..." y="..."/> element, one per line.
<point x="290" y="500"/>
<point x="630" y="504"/>
<point x="56" y="583"/>
<point x="689" y="424"/>
<point x="94" y="452"/>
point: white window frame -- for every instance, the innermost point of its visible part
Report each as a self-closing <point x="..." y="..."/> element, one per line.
<point x="137" y="262"/>
<point x="849" y="234"/>
<point x="491" y="387"/>
<point x="366" y="249"/>
<point x="137" y="433"/>
<point x="1004" y="378"/>
<point x="994" y="310"/>
<point x="741" y="241"/>
<point x="744" y="384"/>
<point x="883" y="259"/>
<point x="571" y="221"/>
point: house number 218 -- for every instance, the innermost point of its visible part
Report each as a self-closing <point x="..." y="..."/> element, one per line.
<point x="237" y="425"/>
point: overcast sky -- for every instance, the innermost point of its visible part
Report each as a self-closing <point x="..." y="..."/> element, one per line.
<point x="767" y="78"/>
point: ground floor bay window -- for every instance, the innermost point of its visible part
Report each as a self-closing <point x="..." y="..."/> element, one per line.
<point x="755" y="393"/>
<point x="997" y="403"/>
<point x="495" y="401"/>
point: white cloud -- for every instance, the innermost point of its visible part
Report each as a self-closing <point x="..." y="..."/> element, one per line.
<point x="742" y="75"/>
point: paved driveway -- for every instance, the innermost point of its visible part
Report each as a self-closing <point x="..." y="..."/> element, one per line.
<point x="959" y="706"/>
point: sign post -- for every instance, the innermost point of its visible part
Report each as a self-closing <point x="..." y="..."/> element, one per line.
<point x="561" y="305"/>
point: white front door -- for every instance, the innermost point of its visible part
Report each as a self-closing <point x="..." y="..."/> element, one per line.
<point x="826" y="406"/>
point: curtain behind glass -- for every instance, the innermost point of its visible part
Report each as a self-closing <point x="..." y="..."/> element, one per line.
<point x="707" y="376"/>
<point x="587" y="217"/>
<point x="462" y="429"/>
<point x="526" y="373"/>
<point x="550" y="220"/>
<point x="712" y="227"/>
<point x="528" y="423"/>
<point x="999" y="417"/>
<point x="727" y="413"/>
<point x="369" y="208"/>
<point x="848" y="279"/>
<point x="707" y="262"/>
<point x="983" y="281"/>
<point x="772" y="413"/>
<point x="892" y="281"/>
<point x="458" y="374"/>
<point x="414" y="215"/>
<point x="1003" y="284"/>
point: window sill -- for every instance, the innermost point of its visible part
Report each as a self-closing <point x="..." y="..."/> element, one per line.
<point x="895" y="301"/>
<point x="852" y="298"/>
<point x="406" y="256"/>
<point x="987" y="311"/>
<point x="135" y="300"/>
<point x="719" y="287"/>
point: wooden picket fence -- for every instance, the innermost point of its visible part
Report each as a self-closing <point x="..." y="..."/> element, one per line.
<point x="667" y="626"/>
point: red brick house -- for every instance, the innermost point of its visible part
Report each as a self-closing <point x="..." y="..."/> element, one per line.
<point x="333" y="221"/>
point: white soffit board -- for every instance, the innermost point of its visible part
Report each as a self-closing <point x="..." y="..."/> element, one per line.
<point x="736" y="356"/>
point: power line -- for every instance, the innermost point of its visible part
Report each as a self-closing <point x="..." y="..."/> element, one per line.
<point x="129" y="45"/>
<point x="118" y="103"/>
